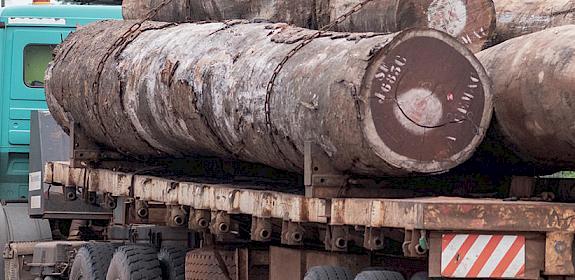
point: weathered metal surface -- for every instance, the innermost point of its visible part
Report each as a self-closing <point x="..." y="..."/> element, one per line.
<point x="16" y="256"/>
<point x="533" y="80"/>
<point x="155" y="98"/>
<point x="559" y="253"/>
<point x="377" y="213"/>
<point x="471" y="22"/>
<point x="444" y="213"/>
<point x="215" y="197"/>
<point x="439" y="213"/>
<point x="519" y="17"/>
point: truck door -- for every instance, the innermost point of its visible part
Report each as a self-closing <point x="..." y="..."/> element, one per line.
<point x="27" y="52"/>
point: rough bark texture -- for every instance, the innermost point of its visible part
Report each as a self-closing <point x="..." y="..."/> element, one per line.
<point x="472" y="22"/>
<point x="414" y="102"/>
<point x="520" y="17"/>
<point x="533" y="80"/>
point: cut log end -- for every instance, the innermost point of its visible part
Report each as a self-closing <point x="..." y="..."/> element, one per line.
<point x="471" y="22"/>
<point x="429" y="102"/>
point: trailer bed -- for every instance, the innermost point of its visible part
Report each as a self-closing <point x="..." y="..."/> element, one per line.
<point x="432" y="213"/>
<point x="547" y="228"/>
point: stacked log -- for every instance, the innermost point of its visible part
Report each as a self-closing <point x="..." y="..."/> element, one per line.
<point x="533" y="78"/>
<point x="416" y="102"/>
<point x="472" y="22"/>
<point x="520" y="17"/>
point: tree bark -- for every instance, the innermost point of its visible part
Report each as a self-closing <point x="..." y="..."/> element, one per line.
<point x="416" y="102"/>
<point x="471" y="22"/>
<point x="519" y="17"/>
<point x="533" y="80"/>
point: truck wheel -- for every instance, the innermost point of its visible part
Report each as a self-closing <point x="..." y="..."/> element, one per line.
<point x="423" y="275"/>
<point x="92" y="261"/>
<point x="209" y="264"/>
<point x="379" y="275"/>
<point x="172" y="262"/>
<point x="328" y="273"/>
<point x="134" y="262"/>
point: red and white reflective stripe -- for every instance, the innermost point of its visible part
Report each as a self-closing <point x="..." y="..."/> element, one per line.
<point x="482" y="256"/>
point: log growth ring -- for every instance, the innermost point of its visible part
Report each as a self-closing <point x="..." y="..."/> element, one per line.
<point x="432" y="122"/>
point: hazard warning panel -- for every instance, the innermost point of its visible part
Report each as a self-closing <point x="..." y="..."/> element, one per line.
<point x="482" y="256"/>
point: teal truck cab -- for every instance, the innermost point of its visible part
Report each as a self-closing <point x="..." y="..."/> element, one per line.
<point x="28" y="34"/>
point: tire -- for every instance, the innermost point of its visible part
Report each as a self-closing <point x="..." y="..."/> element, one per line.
<point x="92" y="261"/>
<point x="379" y="275"/>
<point x="172" y="262"/>
<point x="135" y="262"/>
<point x="328" y="273"/>
<point x="203" y="264"/>
<point x="420" y="276"/>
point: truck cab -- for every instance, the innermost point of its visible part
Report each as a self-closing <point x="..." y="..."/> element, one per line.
<point x="28" y="36"/>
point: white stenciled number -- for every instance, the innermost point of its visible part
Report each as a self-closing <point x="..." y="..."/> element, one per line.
<point x="466" y="98"/>
<point x="389" y="75"/>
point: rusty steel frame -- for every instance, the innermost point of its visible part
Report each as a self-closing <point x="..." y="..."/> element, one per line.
<point x="554" y="223"/>
<point x="215" y="197"/>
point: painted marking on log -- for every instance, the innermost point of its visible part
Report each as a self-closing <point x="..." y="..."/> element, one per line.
<point x="389" y="74"/>
<point x="381" y="97"/>
<point x="418" y="109"/>
<point x="447" y="15"/>
<point x="476" y="35"/>
<point x="463" y="112"/>
<point x="465" y="39"/>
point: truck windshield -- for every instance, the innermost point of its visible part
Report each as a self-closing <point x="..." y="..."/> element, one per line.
<point x="36" y="59"/>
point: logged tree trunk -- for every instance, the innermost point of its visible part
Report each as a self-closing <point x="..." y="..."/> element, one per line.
<point x="520" y="17"/>
<point x="472" y="22"/>
<point x="413" y="102"/>
<point x="533" y="80"/>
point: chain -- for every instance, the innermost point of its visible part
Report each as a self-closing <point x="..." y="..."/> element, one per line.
<point x="122" y="39"/>
<point x="118" y="43"/>
<point x="301" y="45"/>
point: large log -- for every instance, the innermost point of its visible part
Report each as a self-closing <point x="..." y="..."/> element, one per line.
<point x="413" y="102"/>
<point x="533" y="78"/>
<point x="472" y="22"/>
<point x="520" y="17"/>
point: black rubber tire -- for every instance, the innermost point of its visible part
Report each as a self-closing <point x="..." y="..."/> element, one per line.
<point x="203" y="264"/>
<point x="379" y="275"/>
<point x="328" y="273"/>
<point x="134" y="262"/>
<point x="173" y="263"/>
<point x="420" y="276"/>
<point x="92" y="261"/>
